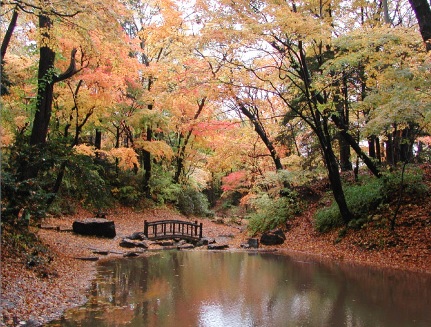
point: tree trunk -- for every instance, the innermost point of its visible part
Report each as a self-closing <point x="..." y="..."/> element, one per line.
<point x="147" y="162"/>
<point x="378" y="150"/>
<point x="355" y="146"/>
<point x="4" y="81"/>
<point x="389" y="150"/>
<point x="46" y="80"/>
<point x="333" y="172"/>
<point x="98" y="139"/>
<point x="45" y="86"/>
<point x="423" y="15"/>
<point x="182" y="147"/>
<point x="262" y="134"/>
<point x="343" y="111"/>
<point x="371" y="146"/>
<point x="8" y="34"/>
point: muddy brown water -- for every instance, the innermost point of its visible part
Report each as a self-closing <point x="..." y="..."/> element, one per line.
<point x="242" y="289"/>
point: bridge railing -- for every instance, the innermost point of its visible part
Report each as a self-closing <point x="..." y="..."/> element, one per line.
<point x="164" y="229"/>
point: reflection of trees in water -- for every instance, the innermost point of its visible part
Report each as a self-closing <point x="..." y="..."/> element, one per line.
<point x="176" y="288"/>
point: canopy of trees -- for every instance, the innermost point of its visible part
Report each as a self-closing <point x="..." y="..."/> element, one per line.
<point x="131" y="101"/>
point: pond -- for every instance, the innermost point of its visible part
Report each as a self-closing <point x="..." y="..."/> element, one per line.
<point x="230" y="289"/>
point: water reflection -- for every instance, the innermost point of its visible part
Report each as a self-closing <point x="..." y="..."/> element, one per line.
<point x="241" y="289"/>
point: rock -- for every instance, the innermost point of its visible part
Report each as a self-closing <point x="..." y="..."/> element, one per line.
<point x="87" y="258"/>
<point x="185" y="246"/>
<point x="138" y="236"/>
<point x="205" y="241"/>
<point x="217" y="246"/>
<point x="128" y="243"/>
<point x="165" y="243"/>
<point x="274" y="237"/>
<point x="48" y="227"/>
<point x="101" y="252"/>
<point x="95" y="227"/>
<point x="253" y="243"/>
<point x="131" y="254"/>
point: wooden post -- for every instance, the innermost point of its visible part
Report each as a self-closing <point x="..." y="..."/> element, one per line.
<point x="200" y="231"/>
<point x="146" y="228"/>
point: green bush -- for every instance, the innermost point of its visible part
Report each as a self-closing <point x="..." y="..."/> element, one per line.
<point x="163" y="189"/>
<point x="127" y="195"/>
<point x="271" y="213"/>
<point x="83" y="182"/>
<point x="413" y="184"/>
<point x="361" y="200"/>
<point x="327" y="218"/>
<point x="193" y="202"/>
<point x="365" y="198"/>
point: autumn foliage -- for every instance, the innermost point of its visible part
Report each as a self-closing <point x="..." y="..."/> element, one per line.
<point x="252" y="100"/>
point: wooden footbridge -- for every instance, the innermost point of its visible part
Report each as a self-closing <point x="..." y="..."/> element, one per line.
<point x="169" y="229"/>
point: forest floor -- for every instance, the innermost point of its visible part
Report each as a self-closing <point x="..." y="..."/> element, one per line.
<point x="33" y="295"/>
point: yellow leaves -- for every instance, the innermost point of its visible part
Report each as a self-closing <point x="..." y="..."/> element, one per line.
<point x="20" y="122"/>
<point x="127" y="157"/>
<point x="292" y="162"/>
<point x="159" y="149"/>
<point x="85" y="150"/>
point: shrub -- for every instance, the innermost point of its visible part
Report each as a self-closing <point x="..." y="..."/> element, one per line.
<point x="127" y="195"/>
<point x="163" y="188"/>
<point x="327" y="218"/>
<point x="365" y="198"/>
<point x="361" y="200"/>
<point x="271" y="213"/>
<point x="413" y="184"/>
<point x="83" y="182"/>
<point x="192" y="202"/>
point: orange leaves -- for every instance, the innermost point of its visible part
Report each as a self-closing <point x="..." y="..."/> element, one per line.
<point x="128" y="158"/>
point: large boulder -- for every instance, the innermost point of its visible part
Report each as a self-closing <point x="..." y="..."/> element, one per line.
<point x="95" y="227"/>
<point x="273" y="237"/>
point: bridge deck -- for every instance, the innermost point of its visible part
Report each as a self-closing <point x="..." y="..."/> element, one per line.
<point x="166" y="229"/>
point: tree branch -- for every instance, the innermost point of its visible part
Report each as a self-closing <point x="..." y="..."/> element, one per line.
<point x="70" y="71"/>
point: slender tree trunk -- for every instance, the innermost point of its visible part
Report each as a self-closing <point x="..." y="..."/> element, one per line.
<point x="390" y="158"/>
<point x="147" y="162"/>
<point x="182" y="147"/>
<point x="180" y="156"/>
<point x="423" y="15"/>
<point x="378" y="150"/>
<point x="355" y="146"/>
<point x="262" y="134"/>
<point x="343" y="111"/>
<point x="4" y="82"/>
<point x="8" y="34"/>
<point x="371" y="146"/>
<point x="333" y="170"/>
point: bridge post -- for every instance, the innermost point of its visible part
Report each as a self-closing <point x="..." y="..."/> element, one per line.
<point x="200" y="231"/>
<point x="146" y="228"/>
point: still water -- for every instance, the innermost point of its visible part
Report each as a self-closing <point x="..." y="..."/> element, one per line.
<point x="237" y="289"/>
